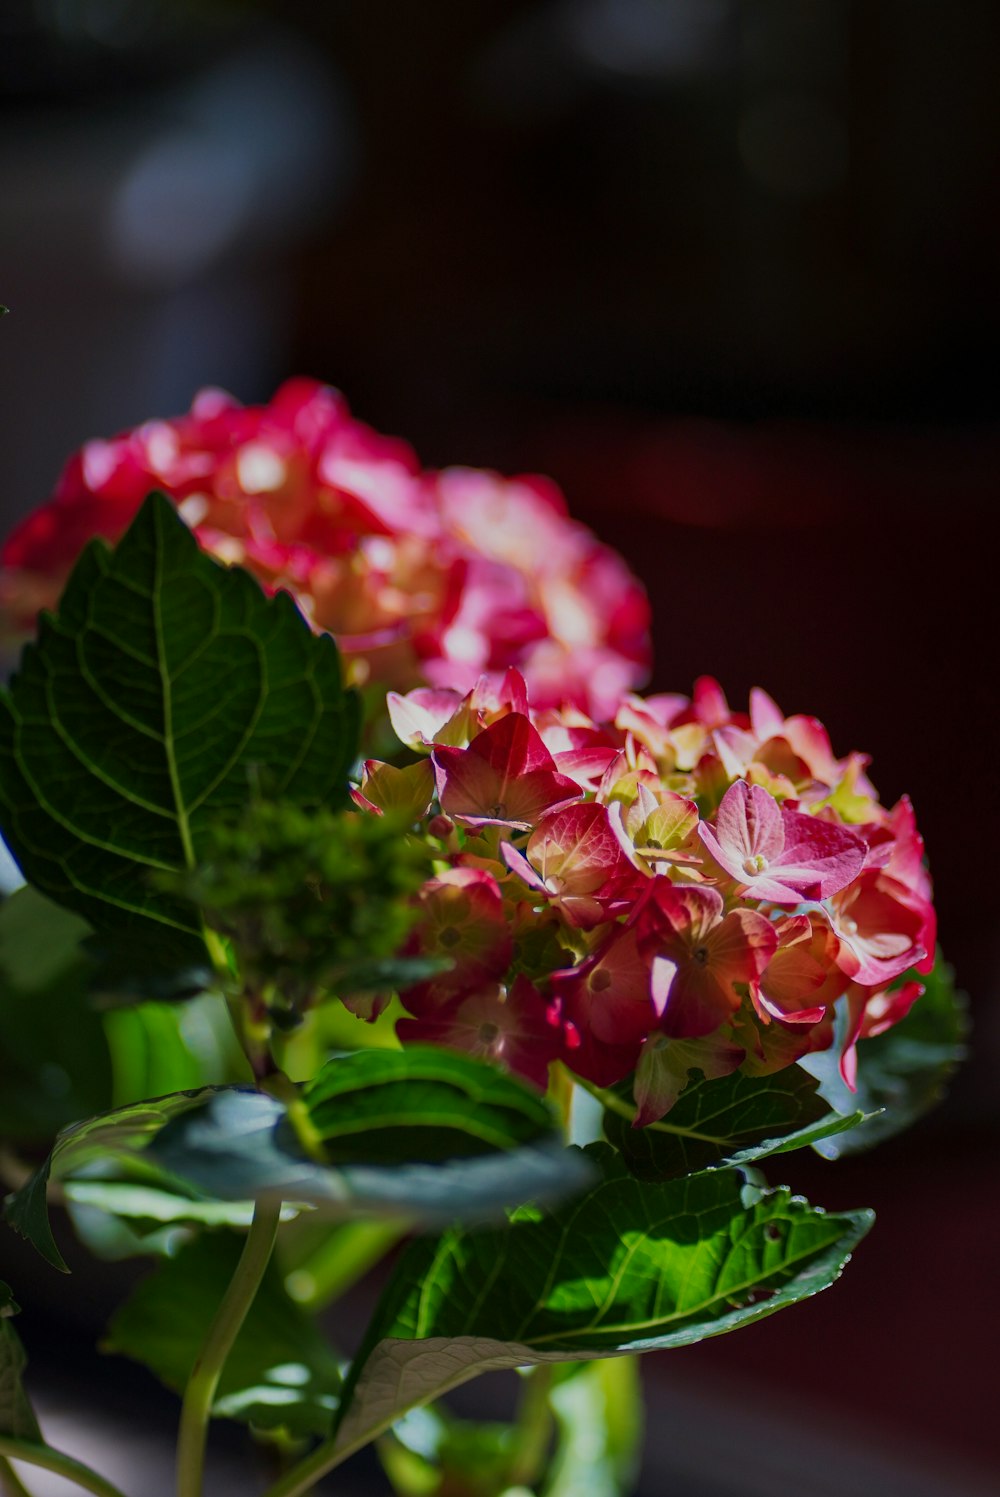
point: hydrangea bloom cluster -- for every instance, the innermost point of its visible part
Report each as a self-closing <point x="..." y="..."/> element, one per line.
<point x="423" y="577"/>
<point x="681" y="887"/>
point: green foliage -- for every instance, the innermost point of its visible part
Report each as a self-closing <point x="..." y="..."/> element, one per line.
<point x="165" y="690"/>
<point x="54" y="1064"/>
<point x="731" y="1120"/>
<point x="598" y="1411"/>
<point x="280" y="1374"/>
<point x="120" y="1136"/>
<point x="159" y="1048"/>
<point x="904" y="1071"/>
<point x="419" y="1105"/>
<point x="470" y="1141"/>
<point x="313" y="901"/>
<point x="429" y="1453"/>
<point x="627" y="1266"/>
<point x="17" y="1418"/>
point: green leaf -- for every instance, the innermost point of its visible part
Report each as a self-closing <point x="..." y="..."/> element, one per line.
<point x="421" y="1104"/>
<point x="280" y="1373"/>
<point x="17" y="1418"/>
<point x="905" y="1070"/>
<point x="165" y="690"/>
<point x="159" y="1048"/>
<point x="122" y="1134"/>
<point x="422" y="1134"/>
<point x="53" y="1060"/>
<point x="628" y="1266"/>
<point x="731" y="1120"/>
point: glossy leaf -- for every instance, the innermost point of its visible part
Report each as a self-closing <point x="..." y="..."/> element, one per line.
<point x="163" y="691"/>
<point x="628" y="1266"/>
<point x="420" y="1104"/>
<point x="280" y="1373"/>
<point x="422" y="1134"/>
<point x="730" y="1120"/>
<point x="905" y="1070"/>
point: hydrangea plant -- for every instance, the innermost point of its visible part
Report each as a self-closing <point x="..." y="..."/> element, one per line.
<point x="520" y="1003"/>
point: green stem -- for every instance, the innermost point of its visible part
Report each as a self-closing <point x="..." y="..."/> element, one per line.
<point x="62" y="1465"/>
<point x="10" y="1483"/>
<point x="199" y="1394"/>
<point x="532" y="1428"/>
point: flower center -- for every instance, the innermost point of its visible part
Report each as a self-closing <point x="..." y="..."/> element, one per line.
<point x="449" y="936"/>
<point x="701" y="955"/>
<point x="600" y="980"/>
<point x="499" y="810"/>
<point x="488" y="1032"/>
<point x="756" y="864"/>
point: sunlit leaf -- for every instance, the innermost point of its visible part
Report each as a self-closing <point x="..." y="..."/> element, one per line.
<point x="627" y="1266"/>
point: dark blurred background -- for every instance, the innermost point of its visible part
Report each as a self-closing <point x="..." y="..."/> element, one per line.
<point x="726" y="269"/>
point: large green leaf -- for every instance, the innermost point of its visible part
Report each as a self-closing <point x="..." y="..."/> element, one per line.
<point x="904" y="1071"/>
<point x="163" y="691"/>
<point x="422" y="1134"/>
<point x="17" y="1418"/>
<point x="628" y="1266"/>
<point x="730" y="1120"/>
<point x="280" y="1372"/>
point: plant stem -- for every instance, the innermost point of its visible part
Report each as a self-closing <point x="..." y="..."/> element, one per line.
<point x="10" y="1482"/>
<point x="561" y="1092"/>
<point x="532" y="1428"/>
<point x="62" y="1465"/>
<point x="199" y="1395"/>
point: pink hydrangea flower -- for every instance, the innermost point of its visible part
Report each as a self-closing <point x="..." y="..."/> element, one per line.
<point x="424" y="578"/>
<point x="701" y="894"/>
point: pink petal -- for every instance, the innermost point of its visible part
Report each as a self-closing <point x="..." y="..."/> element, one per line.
<point x="748" y="825"/>
<point x="832" y="854"/>
<point x="766" y="717"/>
